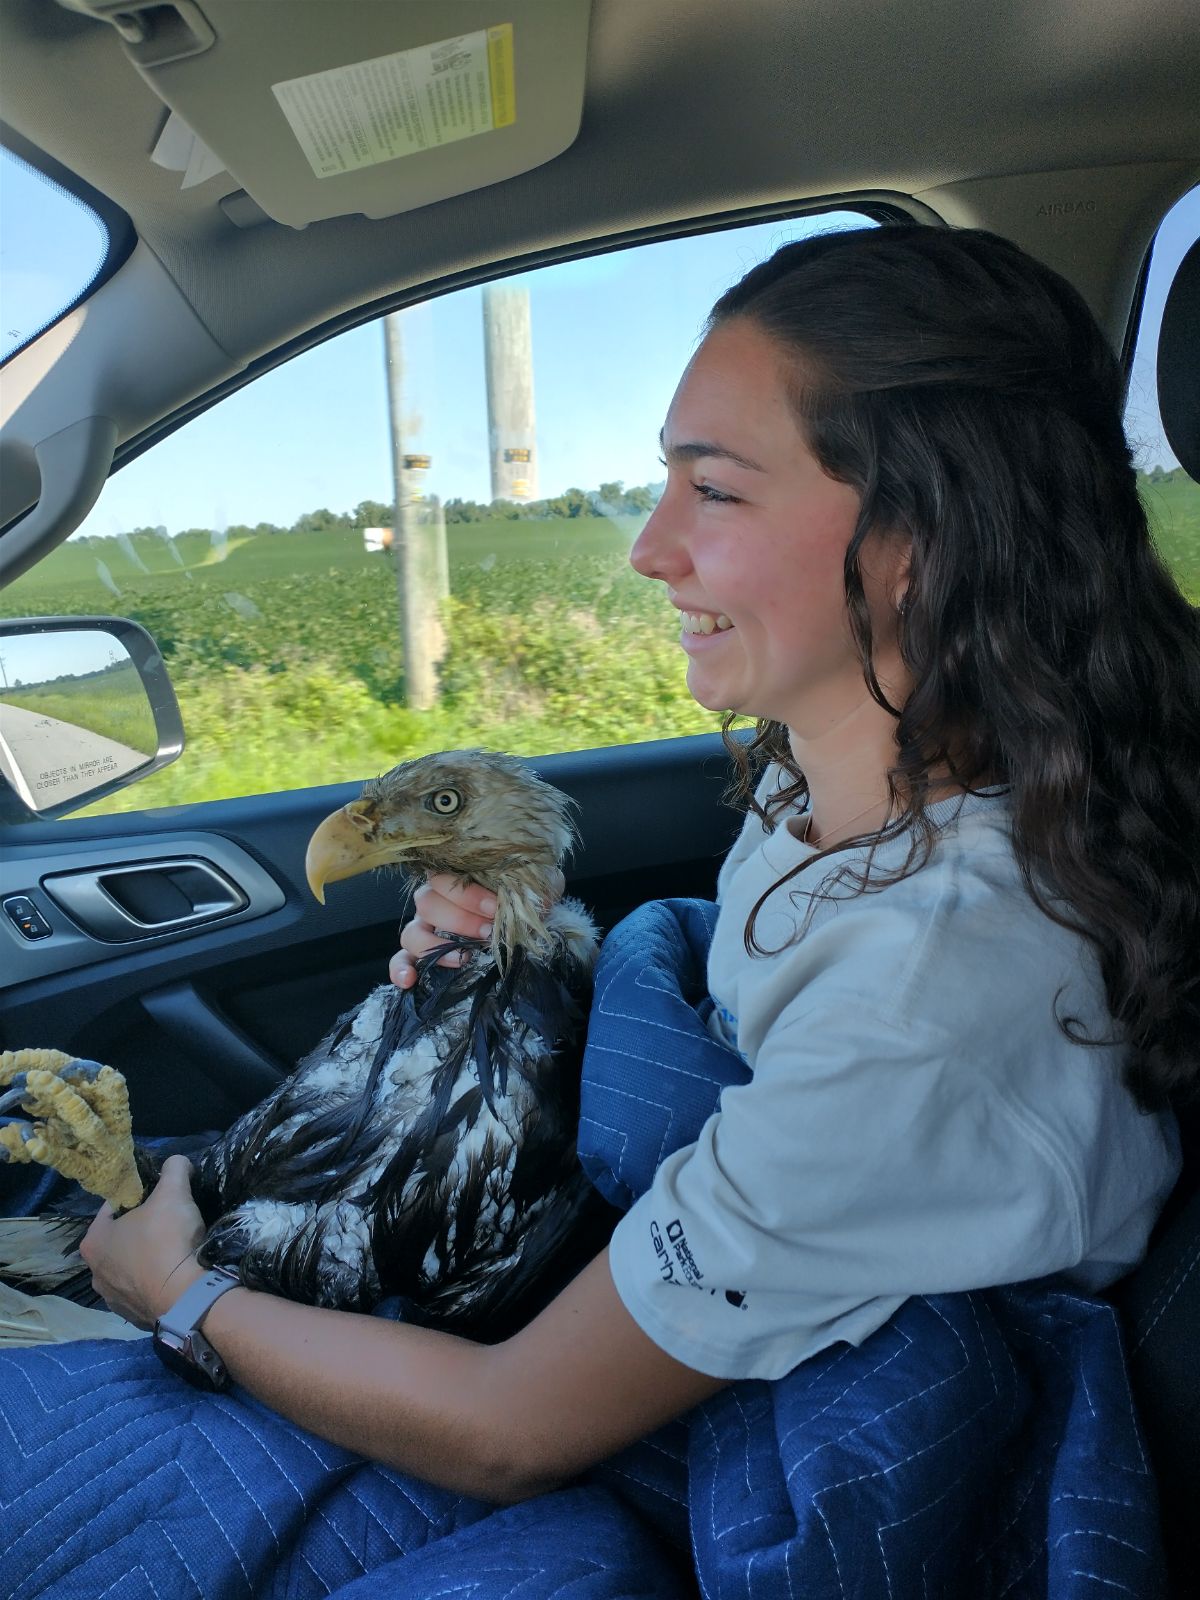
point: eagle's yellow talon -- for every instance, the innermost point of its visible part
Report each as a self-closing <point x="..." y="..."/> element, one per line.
<point x="11" y="1140"/>
<point x="84" y="1129"/>
<point x="14" y="1061"/>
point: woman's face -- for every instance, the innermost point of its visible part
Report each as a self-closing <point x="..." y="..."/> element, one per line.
<point x="750" y="537"/>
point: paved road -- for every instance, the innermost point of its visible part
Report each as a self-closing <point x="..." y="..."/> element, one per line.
<point x="48" y="761"/>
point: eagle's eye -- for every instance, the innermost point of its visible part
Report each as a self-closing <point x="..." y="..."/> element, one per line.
<point x="445" y="802"/>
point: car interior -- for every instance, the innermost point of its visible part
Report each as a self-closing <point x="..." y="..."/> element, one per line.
<point x="1071" y="129"/>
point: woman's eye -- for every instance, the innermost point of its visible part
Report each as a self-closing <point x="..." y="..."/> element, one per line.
<point x="445" y="802"/>
<point x="714" y="496"/>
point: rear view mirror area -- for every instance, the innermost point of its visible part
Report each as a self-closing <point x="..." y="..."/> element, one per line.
<point x="86" y="707"/>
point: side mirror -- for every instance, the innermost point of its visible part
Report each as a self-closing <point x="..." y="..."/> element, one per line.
<point x="86" y="707"/>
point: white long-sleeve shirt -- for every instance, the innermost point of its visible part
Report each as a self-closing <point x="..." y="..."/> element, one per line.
<point x="916" y="1121"/>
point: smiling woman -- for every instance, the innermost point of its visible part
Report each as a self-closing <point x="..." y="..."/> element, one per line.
<point x="889" y="461"/>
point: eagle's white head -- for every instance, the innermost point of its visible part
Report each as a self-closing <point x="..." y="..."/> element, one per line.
<point x="476" y="814"/>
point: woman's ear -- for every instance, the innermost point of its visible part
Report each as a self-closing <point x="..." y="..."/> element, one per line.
<point x="899" y="546"/>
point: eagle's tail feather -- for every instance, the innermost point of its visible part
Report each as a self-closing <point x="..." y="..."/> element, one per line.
<point x="40" y="1254"/>
<point x="27" y="1319"/>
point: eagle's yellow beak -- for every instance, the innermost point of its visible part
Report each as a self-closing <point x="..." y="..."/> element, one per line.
<point x="349" y="842"/>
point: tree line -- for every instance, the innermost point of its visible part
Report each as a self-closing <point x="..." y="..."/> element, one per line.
<point x="609" y="500"/>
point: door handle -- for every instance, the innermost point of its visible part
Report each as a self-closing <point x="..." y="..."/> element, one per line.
<point x="121" y="904"/>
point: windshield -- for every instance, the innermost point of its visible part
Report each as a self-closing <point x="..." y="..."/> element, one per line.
<point x="52" y="249"/>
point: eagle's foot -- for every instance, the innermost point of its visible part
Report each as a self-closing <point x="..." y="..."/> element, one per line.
<point x="83" y="1127"/>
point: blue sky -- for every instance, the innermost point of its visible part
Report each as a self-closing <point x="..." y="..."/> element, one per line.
<point x="611" y="335"/>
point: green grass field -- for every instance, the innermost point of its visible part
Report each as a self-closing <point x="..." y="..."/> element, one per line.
<point x="285" y="655"/>
<point x="1173" y="508"/>
<point x="286" y="658"/>
<point x="132" y="561"/>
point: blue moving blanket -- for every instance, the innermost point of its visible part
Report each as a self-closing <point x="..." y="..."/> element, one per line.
<point x="978" y="1445"/>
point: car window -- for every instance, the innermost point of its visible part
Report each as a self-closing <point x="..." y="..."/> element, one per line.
<point x="310" y="639"/>
<point x="53" y="248"/>
<point x="1171" y="498"/>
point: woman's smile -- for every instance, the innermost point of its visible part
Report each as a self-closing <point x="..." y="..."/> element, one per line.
<point x="699" y="628"/>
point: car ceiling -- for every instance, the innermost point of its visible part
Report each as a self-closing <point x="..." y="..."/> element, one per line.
<point x="691" y="107"/>
<point x="1071" y="127"/>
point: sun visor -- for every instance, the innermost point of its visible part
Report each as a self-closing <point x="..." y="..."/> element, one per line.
<point x="326" y="109"/>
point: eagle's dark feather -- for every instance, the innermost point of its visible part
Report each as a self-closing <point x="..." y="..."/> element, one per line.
<point x="462" y="1240"/>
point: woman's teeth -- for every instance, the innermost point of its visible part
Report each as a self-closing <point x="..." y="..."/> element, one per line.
<point x="704" y="622"/>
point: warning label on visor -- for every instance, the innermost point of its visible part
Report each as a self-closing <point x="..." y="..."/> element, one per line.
<point x="398" y="105"/>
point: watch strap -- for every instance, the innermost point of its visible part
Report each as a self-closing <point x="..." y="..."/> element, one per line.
<point x="177" y="1331"/>
<point x="197" y="1300"/>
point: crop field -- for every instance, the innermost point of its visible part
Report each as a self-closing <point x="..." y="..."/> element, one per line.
<point x="285" y="653"/>
<point x="286" y="656"/>
<point x="126" y="561"/>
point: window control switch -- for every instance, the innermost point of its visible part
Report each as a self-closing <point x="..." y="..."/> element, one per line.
<point x="26" y="918"/>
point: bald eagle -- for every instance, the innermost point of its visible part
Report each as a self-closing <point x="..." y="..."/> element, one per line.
<point x="426" y="1147"/>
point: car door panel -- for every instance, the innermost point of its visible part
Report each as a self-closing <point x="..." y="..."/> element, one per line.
<point x="204" y="1018"/>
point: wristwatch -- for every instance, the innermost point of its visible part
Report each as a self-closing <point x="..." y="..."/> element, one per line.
<point x="178" y="1342"/>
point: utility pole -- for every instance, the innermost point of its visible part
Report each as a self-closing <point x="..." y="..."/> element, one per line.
<point x="508" y="363"/>
<point x="418" y="542"/>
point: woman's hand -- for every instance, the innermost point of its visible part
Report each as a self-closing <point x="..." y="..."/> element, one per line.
<point x="142" y="1262"/>
<point x="444" y="905"/>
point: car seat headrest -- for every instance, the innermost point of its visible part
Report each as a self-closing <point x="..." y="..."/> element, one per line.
<point x="1179" y="364"/>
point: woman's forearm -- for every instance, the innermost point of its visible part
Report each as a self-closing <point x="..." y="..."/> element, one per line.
<point x="418" y="1400"/>
<point x="501" y="1422"/>
<point x="415" y="1399"/>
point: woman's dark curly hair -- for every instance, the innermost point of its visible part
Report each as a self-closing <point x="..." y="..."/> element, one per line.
<point x="968" y="395"/>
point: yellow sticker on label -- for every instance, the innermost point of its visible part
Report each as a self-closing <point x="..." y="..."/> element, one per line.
<point x="500" y="72"/>
<point x="399" y="105"/>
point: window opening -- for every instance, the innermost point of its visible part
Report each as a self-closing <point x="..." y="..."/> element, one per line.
<point x="1171" y="498"/>
<point x="258" y="542"/>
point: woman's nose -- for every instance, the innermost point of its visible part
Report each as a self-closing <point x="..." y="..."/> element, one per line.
<point x="657" y="552"/>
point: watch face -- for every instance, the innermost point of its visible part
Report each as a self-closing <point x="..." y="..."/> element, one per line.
<point x="175" y="1361"/>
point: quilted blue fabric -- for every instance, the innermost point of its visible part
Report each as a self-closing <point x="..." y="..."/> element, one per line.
<point x="652" y="1072"/>
<point x="979" y="1445"/>
<point x="118" y="1480"/>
